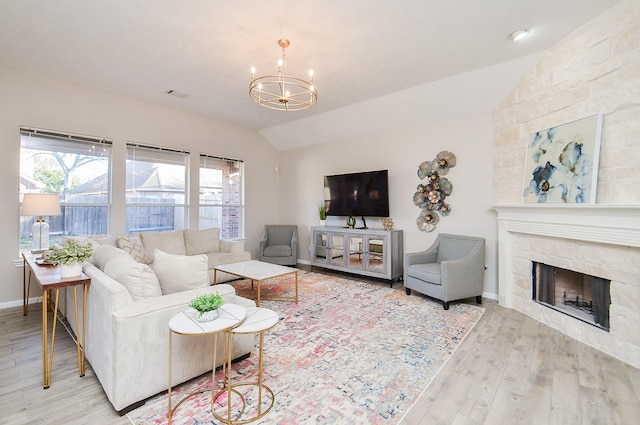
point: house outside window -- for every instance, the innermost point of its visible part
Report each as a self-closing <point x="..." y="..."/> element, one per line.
<point x="156" y="189"/>
<point x="221" y="196"/>
<point x="75" y="167"/>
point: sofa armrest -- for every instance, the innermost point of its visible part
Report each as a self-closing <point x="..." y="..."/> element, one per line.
<point x="233" y="246"/>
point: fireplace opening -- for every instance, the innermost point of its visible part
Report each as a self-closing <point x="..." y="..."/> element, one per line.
<point x="578" y="295"/>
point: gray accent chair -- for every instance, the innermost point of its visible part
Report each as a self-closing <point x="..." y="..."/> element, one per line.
<point x="451" y="269"/>
<point x="279" y="244"/>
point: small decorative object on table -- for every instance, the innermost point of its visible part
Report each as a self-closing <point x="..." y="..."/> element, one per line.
<point x="70" y="257"/>
<point x="387" y="223"/>
<point x="207" y="306"/>
<point x="351" y="222"/>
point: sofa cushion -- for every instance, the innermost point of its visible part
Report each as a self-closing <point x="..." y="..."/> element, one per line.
<point x="178" y="273"/>
<point x="169" y="242"/>
<point x="201" y="241"/>
<point x="139" y="279"/>
<point x="132" y="245"/>
<point x="429" y="272"/>
<point x="103" y="253"/>
<point x="235" y="246"/>
<point x="277" y="251"/>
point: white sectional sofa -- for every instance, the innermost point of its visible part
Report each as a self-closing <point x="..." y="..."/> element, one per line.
<point x="129" y="306"/>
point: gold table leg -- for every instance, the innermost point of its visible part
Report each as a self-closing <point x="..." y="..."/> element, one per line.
<point x="47" y="354"/>
<point x="26" y="286"/>
<point x="296" y="287"/>
<point x="80" y="338"/>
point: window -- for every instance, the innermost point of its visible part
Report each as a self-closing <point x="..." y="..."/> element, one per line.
<point x="156" y="189"/>
<point x="77" y="168"/>
<point x="222" y="195"/>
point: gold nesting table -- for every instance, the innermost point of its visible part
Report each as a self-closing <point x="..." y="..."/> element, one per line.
<point x="232" y="319"/>
<point x="185" y="323"/>
<point x="258" y="321"/>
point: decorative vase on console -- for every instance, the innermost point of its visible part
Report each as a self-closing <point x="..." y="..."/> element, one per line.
<point x="70" y="270"/>
<point x="69" y="257"/>
<point x="322" y="213"/>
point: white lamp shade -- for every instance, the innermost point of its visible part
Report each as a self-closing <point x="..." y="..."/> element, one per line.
<point x="39" y="204"/>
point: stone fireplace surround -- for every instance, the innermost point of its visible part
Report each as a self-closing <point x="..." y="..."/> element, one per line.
<point x="600" y="240"/>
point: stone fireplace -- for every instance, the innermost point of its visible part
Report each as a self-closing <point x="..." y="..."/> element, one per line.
<point x="581" y="296"/>
<point x="585" y="240"/>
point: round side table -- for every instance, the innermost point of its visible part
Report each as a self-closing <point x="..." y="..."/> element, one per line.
<point x="258" y="320"/>
<point x="185" y="323"/>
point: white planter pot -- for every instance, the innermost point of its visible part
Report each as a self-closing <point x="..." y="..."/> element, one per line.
<point x="323" y="222"/>
<point x="207" y="316"/>
<point x="70" y="270"/>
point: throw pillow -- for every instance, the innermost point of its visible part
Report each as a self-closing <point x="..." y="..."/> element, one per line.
<point x="178" y="273"/>
<point x="133" y="246"/>
<point x="202" y="241"/>
<point x="171" y="242"/>
<point x="138" y="278"/>
<point x="103" y="253"/>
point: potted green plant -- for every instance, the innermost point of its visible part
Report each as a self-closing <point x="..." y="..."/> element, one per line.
<point x="207" y="306"/>
<point x="322" y="213"/>
<point x="69" y="257"/>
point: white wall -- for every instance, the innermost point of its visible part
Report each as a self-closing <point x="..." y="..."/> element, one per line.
<point x="401" y="150"/>
<point x="34" y="101"/>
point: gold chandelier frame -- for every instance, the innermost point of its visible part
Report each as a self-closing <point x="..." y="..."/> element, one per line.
<point x="283" y="92"/>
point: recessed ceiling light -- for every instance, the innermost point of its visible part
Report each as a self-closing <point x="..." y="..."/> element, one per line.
<point x="518" y="35"/>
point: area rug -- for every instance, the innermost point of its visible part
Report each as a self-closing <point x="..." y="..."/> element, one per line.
<point x="349" y="352"/>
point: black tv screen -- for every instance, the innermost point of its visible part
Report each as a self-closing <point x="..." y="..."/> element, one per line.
<point x="358" y="194"/>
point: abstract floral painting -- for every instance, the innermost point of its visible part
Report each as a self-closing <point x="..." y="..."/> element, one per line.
<point x="562" y="163"/>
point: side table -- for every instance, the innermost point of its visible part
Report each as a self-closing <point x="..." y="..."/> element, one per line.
<point x="259" y="320"/>
<point x="48" y="277"/>
<point x="185" y="323"/>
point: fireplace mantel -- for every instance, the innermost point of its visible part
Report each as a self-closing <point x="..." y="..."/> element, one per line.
<point x="608" y="224"/>
<point x="612" y="224"/>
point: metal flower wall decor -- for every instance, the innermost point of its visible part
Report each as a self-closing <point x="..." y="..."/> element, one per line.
<point x="430" y="195"/>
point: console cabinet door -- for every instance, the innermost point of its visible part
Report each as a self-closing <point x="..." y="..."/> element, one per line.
<point x="337" y="255"/>
<point x="355" y="258"/>
<point x="320" y="247"/>
<point x="376" y="254"/>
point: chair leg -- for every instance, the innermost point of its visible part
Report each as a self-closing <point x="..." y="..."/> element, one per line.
<point x="479" y="299"/>
<point x="408" y="291"/>
<point x="445" y="304"/>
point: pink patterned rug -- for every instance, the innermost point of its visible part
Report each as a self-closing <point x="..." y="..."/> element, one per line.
<point x="349" y="353"/>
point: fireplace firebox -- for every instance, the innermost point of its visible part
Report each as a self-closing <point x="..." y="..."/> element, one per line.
<point x="578" y="295"/>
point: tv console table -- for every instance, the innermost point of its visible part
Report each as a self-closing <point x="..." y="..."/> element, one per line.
<point x="370" y="252"/>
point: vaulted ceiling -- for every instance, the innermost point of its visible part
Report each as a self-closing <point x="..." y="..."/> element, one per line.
<point x="359" y="49"/>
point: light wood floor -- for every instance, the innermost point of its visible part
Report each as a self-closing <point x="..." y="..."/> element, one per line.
<point x="509" y="370"/>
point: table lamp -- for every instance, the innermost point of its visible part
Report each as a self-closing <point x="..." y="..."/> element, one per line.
<point x="38" y="204"/>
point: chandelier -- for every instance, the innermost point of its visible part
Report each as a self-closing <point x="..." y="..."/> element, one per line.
<point x="283" y="92"/>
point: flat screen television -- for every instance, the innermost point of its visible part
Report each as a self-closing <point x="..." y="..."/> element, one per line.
<point x="363" y="194"/>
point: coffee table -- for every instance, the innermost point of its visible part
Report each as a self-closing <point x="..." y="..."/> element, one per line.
<point x="258" y="272"/>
